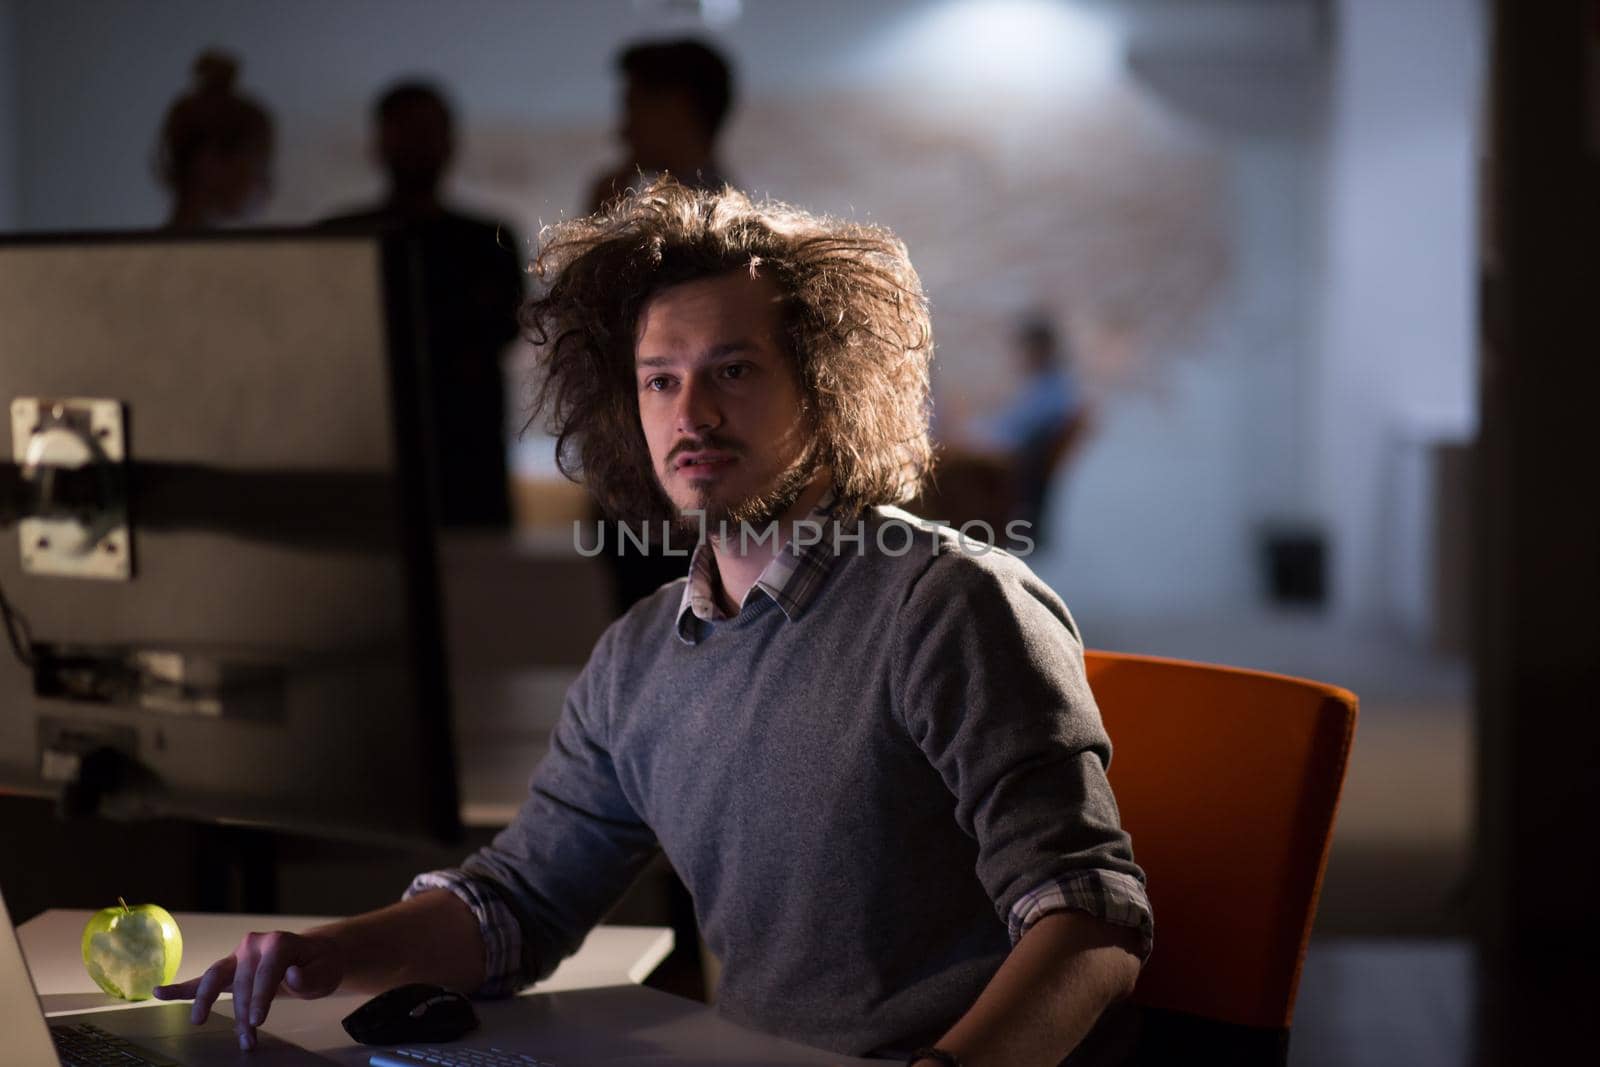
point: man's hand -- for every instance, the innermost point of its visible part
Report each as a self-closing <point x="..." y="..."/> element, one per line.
<point x="431" y="937"/>
<point x="299" y="965"/>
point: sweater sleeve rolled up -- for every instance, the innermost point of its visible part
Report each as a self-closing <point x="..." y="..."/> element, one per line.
<point x="992" y="689"/>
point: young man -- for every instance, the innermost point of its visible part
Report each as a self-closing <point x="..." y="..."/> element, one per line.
<point x="867" y="746"/>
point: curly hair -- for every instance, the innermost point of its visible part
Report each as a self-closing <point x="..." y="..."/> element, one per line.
<point x="854" y="320"/>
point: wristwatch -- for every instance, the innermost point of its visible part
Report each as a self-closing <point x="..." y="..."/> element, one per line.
<point x="949" y="1059"/>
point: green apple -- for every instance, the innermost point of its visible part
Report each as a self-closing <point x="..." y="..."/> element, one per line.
<point x="130" y="951"/>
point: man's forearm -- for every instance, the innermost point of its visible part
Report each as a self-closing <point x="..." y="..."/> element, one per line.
<point x="433" y="937"/>
<point x="1066" y="970"/>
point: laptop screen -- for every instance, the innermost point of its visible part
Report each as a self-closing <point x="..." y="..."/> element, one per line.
<point x="21" y="1018"/>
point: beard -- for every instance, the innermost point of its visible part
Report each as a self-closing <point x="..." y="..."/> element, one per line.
<point x="756" y="510"/>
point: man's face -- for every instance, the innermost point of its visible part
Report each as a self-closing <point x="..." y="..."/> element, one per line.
<point x="719" y="401"/>
<point x="414" y="144"/>
<point x="658" y="125"/>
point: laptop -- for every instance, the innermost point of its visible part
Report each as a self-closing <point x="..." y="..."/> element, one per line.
<point x="160" y="1035"/>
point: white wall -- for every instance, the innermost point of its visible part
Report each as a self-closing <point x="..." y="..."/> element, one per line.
<point x="1162" y="515"/>
<point x="1398" y="332"/>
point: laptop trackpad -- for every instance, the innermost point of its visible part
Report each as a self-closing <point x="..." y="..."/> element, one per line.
<point x="166" y="1030"/>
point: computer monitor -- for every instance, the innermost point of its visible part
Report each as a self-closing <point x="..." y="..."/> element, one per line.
<point x="220" y="568"/>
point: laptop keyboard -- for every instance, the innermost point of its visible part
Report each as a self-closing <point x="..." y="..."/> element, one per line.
<point x="454" y="1057"/>
<point x="86" y="1045"/>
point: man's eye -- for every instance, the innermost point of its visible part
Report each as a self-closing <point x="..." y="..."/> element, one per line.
<point x="736" y="370"/>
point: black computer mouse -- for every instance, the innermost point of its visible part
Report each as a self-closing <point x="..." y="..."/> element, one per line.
<point x="411" y="1013"/>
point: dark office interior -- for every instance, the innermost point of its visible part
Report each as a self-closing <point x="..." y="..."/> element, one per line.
<point x="1300" y="291"/>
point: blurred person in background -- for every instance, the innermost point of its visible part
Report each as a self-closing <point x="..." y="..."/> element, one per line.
<point x="215" y="149"/>
<point x="676" y="98"/>
<point x="1039" y="428"/>
<point x="472" y="286"/>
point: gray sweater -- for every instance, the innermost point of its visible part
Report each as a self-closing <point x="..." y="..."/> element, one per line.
<point x="856" y="796"/>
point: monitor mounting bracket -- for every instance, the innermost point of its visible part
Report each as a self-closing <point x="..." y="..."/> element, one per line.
<point x="48" y="435"/>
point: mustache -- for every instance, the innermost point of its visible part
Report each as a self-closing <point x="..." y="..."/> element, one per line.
<point x="708" y="443"/>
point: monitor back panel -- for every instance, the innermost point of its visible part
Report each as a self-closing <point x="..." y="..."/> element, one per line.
<point x="308" y="613"/>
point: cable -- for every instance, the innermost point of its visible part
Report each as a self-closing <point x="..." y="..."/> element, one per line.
<point x="14" y="493"/>
<point x="18" y="632"/>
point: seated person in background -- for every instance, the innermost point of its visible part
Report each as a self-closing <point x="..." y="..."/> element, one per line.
<point x="1037" y="428"/>
<point x="471" y="287"/>
<point x="872" y="756"/>
<point x="215" y="151"/>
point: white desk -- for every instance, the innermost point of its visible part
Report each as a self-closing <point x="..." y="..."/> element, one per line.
<point x="593" y="996"/>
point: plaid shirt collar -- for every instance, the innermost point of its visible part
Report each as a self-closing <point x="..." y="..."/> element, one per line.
<point x="790" y="581"/>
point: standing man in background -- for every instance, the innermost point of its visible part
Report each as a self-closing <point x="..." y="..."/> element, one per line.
<point x="471" y="287"/>
<point x="676" y="98"/>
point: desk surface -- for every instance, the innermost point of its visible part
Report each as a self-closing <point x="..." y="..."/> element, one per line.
<point x="592" y="997"/>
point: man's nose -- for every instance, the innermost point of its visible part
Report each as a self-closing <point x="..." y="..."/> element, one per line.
<point x="697" y="408"/>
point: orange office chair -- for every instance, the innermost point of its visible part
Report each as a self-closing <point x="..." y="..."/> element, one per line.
<point x="1228" y="781"/>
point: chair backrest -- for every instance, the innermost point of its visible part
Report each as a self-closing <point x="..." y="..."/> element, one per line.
<point x="1068" y="439"/>
<point x="1228" y="781"/>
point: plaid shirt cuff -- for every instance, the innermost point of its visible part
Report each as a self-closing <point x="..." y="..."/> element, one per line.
<point x="502" y="937"/>
<point x="1110" y="896"/>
